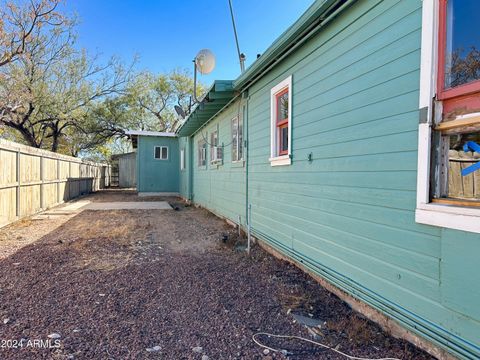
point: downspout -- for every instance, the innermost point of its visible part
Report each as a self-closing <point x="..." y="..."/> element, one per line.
<point x="190" y="168"/>
<point x="138" y="166"/>
<point x="246" y="146"/>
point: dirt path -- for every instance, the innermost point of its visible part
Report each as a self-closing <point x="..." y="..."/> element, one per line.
<point x="141" y="284"/>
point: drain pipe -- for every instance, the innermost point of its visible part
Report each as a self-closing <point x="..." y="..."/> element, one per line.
<point x="249" y="227"/>
<point x="239" y="226"/>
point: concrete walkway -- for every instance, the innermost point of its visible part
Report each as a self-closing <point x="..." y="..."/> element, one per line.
<point x="129" y="205"/>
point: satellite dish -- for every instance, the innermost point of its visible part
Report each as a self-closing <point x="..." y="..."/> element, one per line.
<point x="179" y="111"/>
<point x="205" y="61"/>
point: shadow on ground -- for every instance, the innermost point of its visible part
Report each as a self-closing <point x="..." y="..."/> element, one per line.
<point x="113" y="284"/>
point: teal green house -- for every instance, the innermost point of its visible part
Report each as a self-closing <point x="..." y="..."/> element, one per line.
<point x="157" y="162"/>
<point x="349" y="146"/>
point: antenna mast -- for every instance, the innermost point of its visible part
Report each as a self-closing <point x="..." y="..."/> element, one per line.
<point x="241" y="56"/>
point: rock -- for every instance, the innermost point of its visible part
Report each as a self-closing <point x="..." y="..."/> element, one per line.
<point x="197" y="349"/>
<point x="205" y="357"/>
<point x="76" y="330"/>
<point x="102" y="295"/>
<point x="266" y="351"/>
<point x="307" y="321"/>
<point x="6" y="321"/>
<point x="155" y="348"/>
<point x="54" y="336"/>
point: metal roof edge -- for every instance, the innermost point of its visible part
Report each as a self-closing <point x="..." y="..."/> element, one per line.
<point x="150" y="133"/>
<point x="215" y="98"/>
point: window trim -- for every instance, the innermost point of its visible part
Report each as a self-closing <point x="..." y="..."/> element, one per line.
<point x="239" y="144"/>
<point x="276" y="156"/>
<point x="442" y="92"/>
<point x="214" y="148"/>
<point x="155" y="152"/>
<point x="202" y="149"/>
<point x="426" y="212"/>
<point x="182" y="159"/>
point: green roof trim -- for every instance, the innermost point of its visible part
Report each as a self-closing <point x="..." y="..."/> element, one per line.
<point x="215" y="99"/>
<point x="310" y="19"/>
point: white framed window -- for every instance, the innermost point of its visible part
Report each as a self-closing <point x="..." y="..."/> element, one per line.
<point x="182" y="159"/>
<point x="237" y="138"/>
<point x="281" y="123"/>
<point x="160" y="152"/>
<point x="202" y="153"/>
<point x="215" y="148"/>
<point x="448" y="170"/>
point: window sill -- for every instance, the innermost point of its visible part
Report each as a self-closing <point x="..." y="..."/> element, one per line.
<point x="280" y="160"/>
<point x="449" y="216"/>
<point x="238" y="164"/>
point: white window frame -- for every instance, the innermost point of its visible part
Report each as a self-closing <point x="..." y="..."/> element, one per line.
<point x="182" y="159"/>
<point x="275" y="159"/>
<point x="447" y="216"/>
<point x="203" y="152"/>
<point x="155" y="152"/>
<point x="216" y="153"/>
<point x="238" y="118"/>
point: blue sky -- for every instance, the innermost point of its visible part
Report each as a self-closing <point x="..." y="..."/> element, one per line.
<point x="168" y="34"/>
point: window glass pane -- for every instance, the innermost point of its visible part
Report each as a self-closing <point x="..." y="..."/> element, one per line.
<point x="462" y="53"/>
<point x="164" y="153"/>
<point x="284" y="139"/>
<point x="282" y="106"/>
<point x="463" y="174"/>
<point x="157" y="152"/>
<point x="240" y="139"/>
<point x="234" y="139"/>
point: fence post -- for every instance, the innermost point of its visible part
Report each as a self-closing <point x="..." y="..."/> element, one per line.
<point x="18" y="184"/>
<point x="58" y="181"/>
<point x="42" y="186"/>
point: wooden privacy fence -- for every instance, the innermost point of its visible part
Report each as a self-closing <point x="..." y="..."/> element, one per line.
<point x="32" y="179"/>
<point x="465" y="187"/>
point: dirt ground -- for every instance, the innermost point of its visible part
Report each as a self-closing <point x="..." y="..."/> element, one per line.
<point x="163" y="284"/>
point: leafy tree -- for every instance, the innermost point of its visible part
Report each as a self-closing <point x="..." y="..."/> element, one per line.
<point x="48" y="90"/>
<point x="18" y="24"/>
<point x="56" y="97"/>
<point x="152" y="99"/>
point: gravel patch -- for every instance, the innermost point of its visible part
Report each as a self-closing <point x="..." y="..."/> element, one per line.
<point x="150" y="284"/>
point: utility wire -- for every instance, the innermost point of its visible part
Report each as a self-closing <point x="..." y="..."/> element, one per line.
<point x="285" y="352"/>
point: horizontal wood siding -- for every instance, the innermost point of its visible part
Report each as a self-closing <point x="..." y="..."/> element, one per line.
<point x="351" y="209"/>
<point x="155" y="175"/>
<point x="220" y="188"/>
<point x="184" y="177"/>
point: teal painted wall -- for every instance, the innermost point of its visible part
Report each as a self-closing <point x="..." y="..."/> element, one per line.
<point x="155" y="175"/>
<point x="349" y="214"/>
<point x="185" y="185"/>
<point x="220" y="188"/>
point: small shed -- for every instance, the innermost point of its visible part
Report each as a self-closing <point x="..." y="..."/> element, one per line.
<point x="126" y="169"/>
<point x="157" y="162"/>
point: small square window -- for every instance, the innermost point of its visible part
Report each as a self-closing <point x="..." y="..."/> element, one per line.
<point x="161" y="152"/>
